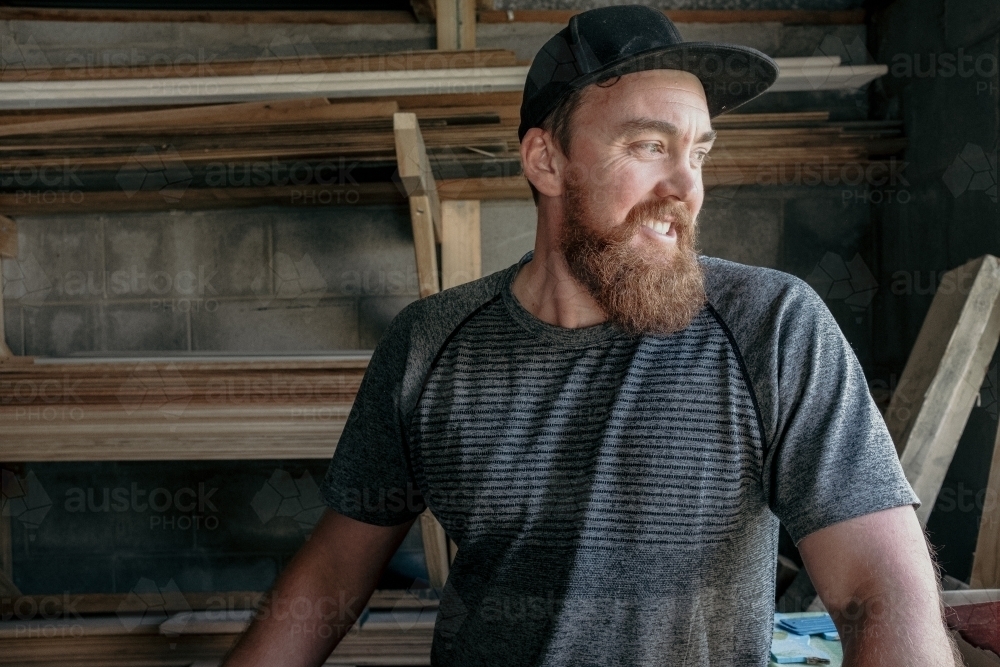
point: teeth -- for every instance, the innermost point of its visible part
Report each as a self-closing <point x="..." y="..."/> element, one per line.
<point x="659" y="227"/>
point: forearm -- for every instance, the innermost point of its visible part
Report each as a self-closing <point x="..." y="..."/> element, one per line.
<point x="319" y="595"/>
<point x="301" y="620"/>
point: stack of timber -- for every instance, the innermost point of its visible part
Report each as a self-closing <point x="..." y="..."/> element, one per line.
<point x="188" y="408"/>
<point x="314" y="151"/>
<point x="192" y="628"/>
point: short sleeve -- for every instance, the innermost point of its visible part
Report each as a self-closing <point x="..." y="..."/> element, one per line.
<point x="370" y="478"/>
<point x="831" y="458"/>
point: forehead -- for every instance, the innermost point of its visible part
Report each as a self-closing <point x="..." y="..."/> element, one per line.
<point x="670" y="95"/>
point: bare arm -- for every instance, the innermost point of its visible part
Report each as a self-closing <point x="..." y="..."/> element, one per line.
<point x="319" y="595"/>
<point x="875" y="576"/>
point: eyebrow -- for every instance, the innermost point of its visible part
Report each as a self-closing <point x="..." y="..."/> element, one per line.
<point x="638" y="125"/>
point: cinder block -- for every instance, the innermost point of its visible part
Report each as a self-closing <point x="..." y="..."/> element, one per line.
<point x="344" y="251"/>
<point x="149" y="327"/>
<point x="59" y="258"/>
<point x="508" y="231"/>
<point x="288" y="325"/>
<point x="58" y="331"/>
<point x="185" y="254"/>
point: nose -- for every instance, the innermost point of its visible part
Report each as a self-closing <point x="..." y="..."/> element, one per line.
<point x="678" y="180"/>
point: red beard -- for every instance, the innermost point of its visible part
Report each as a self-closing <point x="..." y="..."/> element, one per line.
<point x="649" y="290"/>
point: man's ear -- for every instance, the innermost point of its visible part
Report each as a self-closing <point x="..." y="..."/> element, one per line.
<point x="542" y="162"/>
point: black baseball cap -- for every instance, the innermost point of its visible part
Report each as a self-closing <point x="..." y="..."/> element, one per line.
<point x="600" y="44"/>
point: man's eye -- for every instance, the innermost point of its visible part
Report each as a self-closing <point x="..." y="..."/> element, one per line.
<point x="700" y="157"/>
<point x="650" y="147"/>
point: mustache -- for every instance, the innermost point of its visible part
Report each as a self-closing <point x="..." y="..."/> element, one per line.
<point x="682" y="221"/>
<point x="660" y="209"/>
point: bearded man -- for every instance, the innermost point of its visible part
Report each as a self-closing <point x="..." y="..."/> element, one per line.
<point x="612" y="428"/>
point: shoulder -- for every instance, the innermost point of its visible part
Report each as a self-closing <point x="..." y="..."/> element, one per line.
<point x="434" y="317"/>
<point x="408" y="348"/>
<point x="745" y="295"/>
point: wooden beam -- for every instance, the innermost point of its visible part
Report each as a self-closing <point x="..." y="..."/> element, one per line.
<point x="467" y="25"/>
<point x="424" y="246"/>
<point x="456" y="24"/>
<point x="414" y="166"/>
<point x="177" y="409"/>
<point x="8" y="248"/>
<point x="126" y="603"/>
<point x="788" y="17"/>
<point x="942" y="377"/>
<point x="368" y="62"/>
<point x="461" y="257"/>
<point x="247" y="114"/>
<point x="186" y="16"/>
<point x="435" y="549"/>
<point x="986" y="558"/>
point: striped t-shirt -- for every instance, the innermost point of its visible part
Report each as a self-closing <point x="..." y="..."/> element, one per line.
<point x="615" y="498"/>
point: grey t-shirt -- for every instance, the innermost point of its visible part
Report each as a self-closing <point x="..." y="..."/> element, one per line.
<point x="615" y="498"/>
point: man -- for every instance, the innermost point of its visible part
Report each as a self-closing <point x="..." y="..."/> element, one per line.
<point x="611" y="429"/>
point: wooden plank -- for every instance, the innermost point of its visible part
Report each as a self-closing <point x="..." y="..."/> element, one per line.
<point x="942" y="377"/>
<point x="986" y="558"/>
<point x="467" y="25"/>
<point x="8" y="248"/>
<point x="109" y="642"/>
<point x="446" y="19"/>
<point x="461" y="257"/>
<point x="435" y="549"/>
<point x="8" y="238"/>
<point x="414" y="167"/>
<point x="177" y="409"/>
<point x="74" y="605"/>
<point x="267" y="67"/>
<point x="248" y="114"/>
<point x="788" y="17"/>
<point x="424" y="246"/>
<point x="221" y="16"/>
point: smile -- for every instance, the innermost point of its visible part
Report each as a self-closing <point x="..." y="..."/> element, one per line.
<point x="662" y="228"/>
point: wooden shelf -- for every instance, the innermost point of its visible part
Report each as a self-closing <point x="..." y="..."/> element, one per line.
<point x="176" y="409"/>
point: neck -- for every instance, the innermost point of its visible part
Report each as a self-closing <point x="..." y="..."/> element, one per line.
<point x="545" y="287"/>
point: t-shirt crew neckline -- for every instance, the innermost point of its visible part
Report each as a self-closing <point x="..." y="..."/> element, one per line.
<point x="553" y="334"/>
